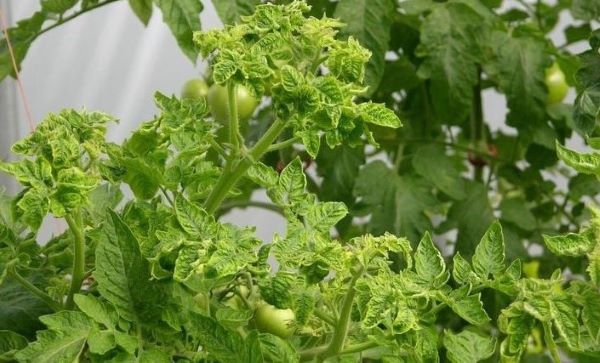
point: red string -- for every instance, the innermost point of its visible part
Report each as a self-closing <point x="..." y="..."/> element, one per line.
<point x="4" y="25"/>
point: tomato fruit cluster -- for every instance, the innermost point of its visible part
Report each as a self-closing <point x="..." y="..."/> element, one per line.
<point x="218" y="99"/>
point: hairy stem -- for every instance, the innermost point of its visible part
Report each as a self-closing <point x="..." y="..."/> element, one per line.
<point x="56" y="306"/>
<point x="228" y="178"/>
<point x="234" y="124"/>
<point x="283" y="144"/>
<point x="75" y="223"/>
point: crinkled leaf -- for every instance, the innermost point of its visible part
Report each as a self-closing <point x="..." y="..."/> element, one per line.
<point x="571" y="244"/>
<point x="468" y="346"/>
<point x="369" y="21"/>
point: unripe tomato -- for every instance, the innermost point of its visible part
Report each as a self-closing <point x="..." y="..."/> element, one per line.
<point x="218" y="101"/>
<point x="194" y="89"/>
<point x="275" y="321"/>
<point x="556" y="84"/>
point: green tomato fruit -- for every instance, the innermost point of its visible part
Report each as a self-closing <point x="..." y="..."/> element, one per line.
<point x="194" y="89"/>
<point x="275" y="321"/>
<point x="218" y="101"/>
<point x="556" y="84"/>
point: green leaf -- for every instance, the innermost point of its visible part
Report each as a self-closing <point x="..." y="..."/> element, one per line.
<point x="10" y="342"/>
<point x="583" y="163"/>
<point x="339" y="169"/>
<point x="277" y="349"/>
<point x="63" y="342"/>
<point x="397" y="203"/>
<point x="97" y="310"/>
<point x="515" y="211"/>
<point x="144" y="177"/>
<point x="433" y="164"/>
<point x="369" y="21"/>
<point x="518" y="67"/>
<point x="20" y="309"/>
<point x="471" y="216"/>
<point x="325" y="215"/>
<point x="193" y="219"/>
<point x="588" y="297"/>
<point x="565" y="321"/>
<point x="142" y="9"/>
<point x="263" y="175"/>
<point x="183" y="18"/>
<point x="121" y="272"/>
<point x="488" y="258"/>
<point x="586" y="10"/>
<point x="468" y="346"/>
<point x="21" y="37"/>
<point x="429" y="263"/>
<point x="468" y="307"/>
<point x="292" y="182"/>
<point x="571" y="244"/>
<point x="378" y="114"/>
<point x="461" y="271"/>
<point x="449" y="44"/>
<point x="221" y="344"/>
<point x="230" y="11"/>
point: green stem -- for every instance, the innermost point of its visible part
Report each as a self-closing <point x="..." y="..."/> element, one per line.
<point x="72" y="16"/>
<point x="283" y="144"/>
<point x="34" y="290"/>
<point x="228" y="179"/>
<point x="250" y="203"/>
<point x="234" y="124"/>
<point x="358" y="347"/>
<point x="341" y="330"/>
<point x="75" y="223"/>
<point x="549" y="339"/>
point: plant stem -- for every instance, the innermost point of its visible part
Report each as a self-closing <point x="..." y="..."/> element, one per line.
<point x="75" y="223"/>
<point x="250" y="203"/>
<point x="341" y="330"/>
<point x="228" y="178"/>
<point x="283" y="144"/>
<point x="358" y="347"/>
<point x="477" y="126"/>
<point x="234" y="124"/>
<point x="72" y="16"/>
<point x="56" y="306"/>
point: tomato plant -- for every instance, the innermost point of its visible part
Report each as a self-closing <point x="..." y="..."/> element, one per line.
<point x="419" y="228"/>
